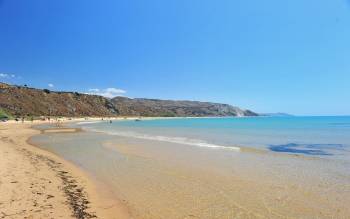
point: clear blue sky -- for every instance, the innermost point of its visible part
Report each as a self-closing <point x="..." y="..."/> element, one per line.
<point x="272" y="55"/>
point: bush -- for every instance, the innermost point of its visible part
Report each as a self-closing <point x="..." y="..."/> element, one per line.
<point x="4" y="115"/>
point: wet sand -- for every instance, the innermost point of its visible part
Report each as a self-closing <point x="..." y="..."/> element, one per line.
<point x="38" y="184"/>
<point x="165" y="180"/>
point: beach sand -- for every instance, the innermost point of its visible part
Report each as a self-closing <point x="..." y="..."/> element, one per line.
<point x="157" y="180"/>
<point x="37" y="184"/>
<point x="167" y="180"/>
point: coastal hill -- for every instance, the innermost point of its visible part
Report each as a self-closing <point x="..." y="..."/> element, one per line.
<point x="25" y="101"/>
<point x="171" y="108"/>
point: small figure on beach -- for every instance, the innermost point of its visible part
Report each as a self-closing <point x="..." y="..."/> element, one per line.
<point x="110" y="121"/>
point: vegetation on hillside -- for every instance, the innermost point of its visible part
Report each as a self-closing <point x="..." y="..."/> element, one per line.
<point x="21" y="101"/>
<point x="4" y="114"/>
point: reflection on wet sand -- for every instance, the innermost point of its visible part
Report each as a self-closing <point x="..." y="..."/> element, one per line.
<point x="165" y="180"/>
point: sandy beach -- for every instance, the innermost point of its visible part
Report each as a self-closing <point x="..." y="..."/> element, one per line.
<point x="37" y="184"/>
<point x="174" y="109"/>
<point x="160" y="179"/>
<point x="71" y="172"/>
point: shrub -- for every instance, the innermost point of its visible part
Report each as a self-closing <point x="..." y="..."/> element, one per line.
<point x="4" y="115"/>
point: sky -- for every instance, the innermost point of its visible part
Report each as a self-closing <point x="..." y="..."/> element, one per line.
<point x="268" y="56"/>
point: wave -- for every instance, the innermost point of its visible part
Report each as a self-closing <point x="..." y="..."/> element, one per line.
<point x="90" y="122"/>
<point x="176" y="140"/>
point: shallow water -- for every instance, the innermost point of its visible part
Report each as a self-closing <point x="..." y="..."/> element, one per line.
<point x="300" y="135"/>
<point x="171" y="169"/>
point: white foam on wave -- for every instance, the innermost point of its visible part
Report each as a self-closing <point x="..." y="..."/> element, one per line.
<point x="177" y="140"/>
<point x="90" y="122"/>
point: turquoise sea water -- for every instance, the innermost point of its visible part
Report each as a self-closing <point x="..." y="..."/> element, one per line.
<point x="311" y="136"/>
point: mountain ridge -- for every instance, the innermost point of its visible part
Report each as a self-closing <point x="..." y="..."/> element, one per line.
<point x="181" y="108"/>
<point x="24" y="101"/>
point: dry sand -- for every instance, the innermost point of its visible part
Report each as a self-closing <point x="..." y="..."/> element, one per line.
<point x="37" y="184"/>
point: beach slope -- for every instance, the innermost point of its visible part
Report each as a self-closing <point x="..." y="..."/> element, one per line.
<point x="37" y="184"/>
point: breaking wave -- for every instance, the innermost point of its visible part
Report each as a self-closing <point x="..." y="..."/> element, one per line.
<point x="177" y="140"/>
<point x="90" y="122"/>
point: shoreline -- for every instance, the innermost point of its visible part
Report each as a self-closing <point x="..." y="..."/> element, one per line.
<point x="58" y="187"/>
<point x="134" y="173"/>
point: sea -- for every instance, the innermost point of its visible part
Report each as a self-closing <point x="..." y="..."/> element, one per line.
<point x="313" y="136"/>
